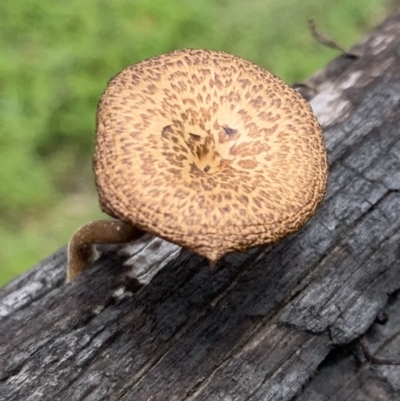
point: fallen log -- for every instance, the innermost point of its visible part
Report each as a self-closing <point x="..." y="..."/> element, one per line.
<point x="276" y="323"/>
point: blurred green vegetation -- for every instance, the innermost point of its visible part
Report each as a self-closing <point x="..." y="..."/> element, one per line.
<point x="56" y="58"/>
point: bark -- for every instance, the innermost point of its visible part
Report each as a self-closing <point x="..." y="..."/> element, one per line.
<point x="276" y="323"/>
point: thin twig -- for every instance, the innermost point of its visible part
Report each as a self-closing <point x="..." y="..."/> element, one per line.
<point x="375" y="361"/>
<point x="326" y="40"/>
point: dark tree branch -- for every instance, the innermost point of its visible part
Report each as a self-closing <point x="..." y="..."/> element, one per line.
<point x="277" y="323"/>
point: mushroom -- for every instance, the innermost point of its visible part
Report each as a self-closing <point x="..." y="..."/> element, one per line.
<point x="205" y="150"/>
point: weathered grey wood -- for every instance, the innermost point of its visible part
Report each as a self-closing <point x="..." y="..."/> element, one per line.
<point x="278" y="323"/>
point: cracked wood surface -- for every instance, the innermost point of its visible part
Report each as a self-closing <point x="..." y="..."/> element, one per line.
<point x="276" y="323"/>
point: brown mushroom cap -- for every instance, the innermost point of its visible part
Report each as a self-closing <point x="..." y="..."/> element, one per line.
<point x="208" y="151"/>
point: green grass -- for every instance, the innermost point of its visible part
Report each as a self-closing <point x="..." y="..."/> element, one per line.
<point x="56" y="58"/>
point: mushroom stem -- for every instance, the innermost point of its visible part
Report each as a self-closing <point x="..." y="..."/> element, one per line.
<point x="81" y="250"/>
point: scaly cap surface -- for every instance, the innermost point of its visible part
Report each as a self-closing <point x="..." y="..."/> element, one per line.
<point x="208" y="151"/>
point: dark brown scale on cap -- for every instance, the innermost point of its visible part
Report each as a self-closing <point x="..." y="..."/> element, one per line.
<point x="208" y="151"/>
